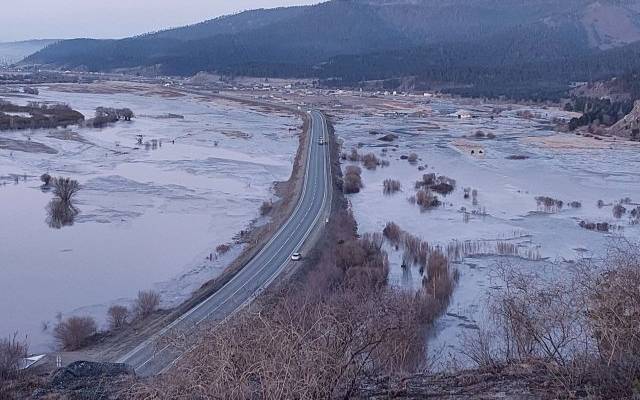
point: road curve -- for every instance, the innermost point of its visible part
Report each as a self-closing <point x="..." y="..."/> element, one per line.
<point x="152" y="357"/>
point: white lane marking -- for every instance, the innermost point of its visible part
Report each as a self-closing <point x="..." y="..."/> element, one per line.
<point x="181" y="318"/>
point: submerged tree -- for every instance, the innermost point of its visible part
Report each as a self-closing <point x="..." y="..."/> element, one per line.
<point x="61" y="210"/>
<point x="66" y="189"/>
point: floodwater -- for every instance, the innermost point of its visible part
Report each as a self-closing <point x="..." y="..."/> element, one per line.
<point x="506" y="208"/>
<point x="150" y="213"/>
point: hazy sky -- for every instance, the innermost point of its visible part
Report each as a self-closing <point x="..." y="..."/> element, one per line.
<point x="31" y="19"/>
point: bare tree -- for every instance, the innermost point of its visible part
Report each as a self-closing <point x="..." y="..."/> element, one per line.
<point x="117" y="317"/>
<point x="146" y="303"/>
<point x="65" y="189"/>
<point x="73" y="332"/>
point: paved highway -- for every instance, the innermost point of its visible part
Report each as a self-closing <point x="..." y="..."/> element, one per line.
<point x="152" y="358"/>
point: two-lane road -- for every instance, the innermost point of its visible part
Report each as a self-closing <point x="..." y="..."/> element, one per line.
<point x="151" y="358"/>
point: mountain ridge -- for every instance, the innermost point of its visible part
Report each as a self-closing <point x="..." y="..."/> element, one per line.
<point x="312" y="41"/>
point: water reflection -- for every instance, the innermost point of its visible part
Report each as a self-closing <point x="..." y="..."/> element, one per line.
<point x="61" y="210"/>
<point x="60" y="213"/>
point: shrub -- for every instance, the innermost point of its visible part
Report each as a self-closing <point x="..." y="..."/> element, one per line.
<point x="593" y="226"/>
<point x="354" y="156"/>
<point x="479" y="134"/>
<point x="575" y="204"/>
<point x="352" y="181"/>
<point x="73" y="332"/>
<point x="223" y="249"/>
<point x="46" y="179"/>
<point x="491" y="135"/>
<point x="391" y="186"/>
<point x="619" y="211"/>
<point x="352" y="169"/>
<point x="146" y="303"/>
<point x="266" y="208"/>
<point x="548" y="204"/>
<point x="413" y="158"/>
<point x="426" y="199"/>
<point x="12" y="351"/>
<point x="370" y="161"/>
<point x="117" y="317"/>
<point x="438" y="282"/>
<point x="584" y="328"/>
<point x="441" y="184"/>
<point x="392" y="232"/>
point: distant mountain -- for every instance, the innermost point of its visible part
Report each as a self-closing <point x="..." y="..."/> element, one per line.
<point x="12" y="52"/>
<point x="472" y="42"/>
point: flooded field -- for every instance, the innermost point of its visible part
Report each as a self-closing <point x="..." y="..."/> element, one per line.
<point x="502" y="159"/>
<point x="158" y="195"/>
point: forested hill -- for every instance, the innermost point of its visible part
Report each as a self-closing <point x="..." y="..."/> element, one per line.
<point x="493" y="46"/>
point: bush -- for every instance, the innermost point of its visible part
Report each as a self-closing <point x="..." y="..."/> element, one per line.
<point x="353" y="156"/>
<point x="619" y="211"/>
<point x="46" y="179"/>
<point x="223" y="249"/>
<point x="575" y="204"/>
<point x="441" y="184"/>
<point x="117" y="317"/>
<point x="370" y="161"/>
<point x="426" y="199"/>
<point x="413" y="158"/>
<point x="146" y="303"/>
<point x="392" y="232"/>
<point x="73" y="333"/>
<point x="584" y="328"/>
<point x="352" y="181"/>
<point x="12" y="351"/>
<point x="266" y="208"/>
<point x="391" y="186"/>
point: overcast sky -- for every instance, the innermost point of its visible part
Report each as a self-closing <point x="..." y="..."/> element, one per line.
<point x="62" y="19"/>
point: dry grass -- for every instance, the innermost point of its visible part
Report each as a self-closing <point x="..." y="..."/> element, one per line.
<point x="12" y="351"/>
<point x="457" y="250"/>
<point x="370" y="161"/>
<point x="393" y="233"/>
<point x="426" y="199"/>
<point x="321" y="337"/>
<point x="584" y="328"/>
<point x="391" y="186"/>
